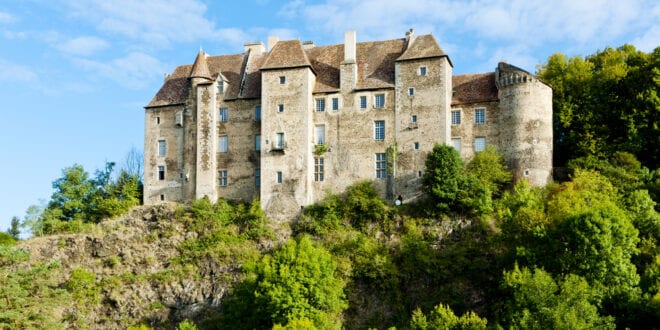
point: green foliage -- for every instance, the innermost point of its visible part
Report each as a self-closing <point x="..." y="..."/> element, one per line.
<point x="83" y="287"/>
<point x="295" y="282"/>
<point x="363" y="206"/>
<point x="442" y="317"/>
<point x="296" y="324"/>
<point x="489" y="168"/>
<point x="7" y="240"/>
<point x="186" y="325"/>
<point x="13" y="229"/>
<point x="450" y="187"/>
<point x="139" y="327"/>
<point x="541" y="303"/>
<point x="604" y="103"/>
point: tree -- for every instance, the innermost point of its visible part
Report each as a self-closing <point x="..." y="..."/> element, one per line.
<point x="541" y="303"/>
<point x="613" y="88"/>
<point x="73" y="192"/>
<point x="442" y="317"/>
<point x="13" y="229"/>
<point x="489" y="168"/>
<point x="449" y="187"/>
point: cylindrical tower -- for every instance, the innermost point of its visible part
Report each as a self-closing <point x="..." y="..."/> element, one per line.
<point x="526" y="124"/>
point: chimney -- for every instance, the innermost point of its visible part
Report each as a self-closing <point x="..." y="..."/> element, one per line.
<point x="349" y="46"/>
<point x="272" y="40"/>
<point x="254" y="47"/>
<point x="308" y="44"/>
<point x="410" y="37"/>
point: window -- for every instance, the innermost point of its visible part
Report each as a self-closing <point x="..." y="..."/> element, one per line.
<point x="381" y="166"/>
<point x="363" y="102"/>
<point x="379" y="101"/>
<point x="178" y="118"/>
<point x="280" y="108"/>
<point x="411" y="91"/>
<point x="480" y="116"/>
<point x="257" y="177"/>
<point x="222" y="178"/>
<point x="455" y="117"/>
<point x="335" y="103"/>
<point x="320" y="105"/>
<point x="479" y="143"/>
<point x="162" y="148"/>
<point x="257" y="113"/>
<point x="379" y="130"/>
<point x="157" y="120"/>
<point x="162" y="198"/>
<point x="279" y="141"/>
<point x="279" y="176"/>
<point x="422" y="71"/>
<point x="223" y="143"/>
<point x="282" y="80"/>
<point x="318" y="169"/>
<point x="416" y="145"/>
<point x="161" y="173"/>
<point x="319" y="133"/>
<point x="224" y="114"/>
<point x="456" y="143"/>
<point x="413" y="118"/>
<point x="257" y="142"/>
<point x="221" y="86"/>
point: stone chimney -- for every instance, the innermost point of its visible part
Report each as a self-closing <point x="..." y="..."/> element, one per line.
<point x="254" y="47"/>
<point x="348" y="71"/>
<point x="308" y="44"/>
<point x="410" y="37"/>
<point x="272" y="40"/>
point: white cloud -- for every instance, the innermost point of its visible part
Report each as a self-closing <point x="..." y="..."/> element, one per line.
<point x="6" y="18"/>
<point x="135" y="70"/>
<point x="83" y="46"/>
<point x="649" y="41"/>
<point x="16" y="72"/>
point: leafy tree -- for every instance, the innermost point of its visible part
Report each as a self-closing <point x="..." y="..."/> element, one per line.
<point x="541" y="303"/>
<point x="442" y="317"/>
<point x="186" y="325"/>
<point x="363" y="205"/>
<point x="613" y="88"/>
<point x="489" y="168"/>
<point x="7" y="240"/>
<point x="450" y="188"/>
<point x="73" y="192"/>
<point x="13" y="229"/>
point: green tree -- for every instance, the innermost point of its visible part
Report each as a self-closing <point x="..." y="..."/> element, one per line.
<point x="613" y="88"/>
<point x="489" y="168"/>
<point x="442" y="317"/>
<point x="541" y="303"/>
<point x="73" y="192"/>
<point x="14" y="230"/>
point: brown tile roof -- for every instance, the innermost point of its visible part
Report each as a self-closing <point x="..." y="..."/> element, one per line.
<point x="252" y="85"/>
<point x="376" y="62"/>
<point x="286" y="54"/>
<point x="474" y="88"/>
<point x="423" y="46"/>
<point x="200" y="68"/>
<point x="175" y="88"/>
<point x="326" y="63"/>
<point x="231" y="67"/>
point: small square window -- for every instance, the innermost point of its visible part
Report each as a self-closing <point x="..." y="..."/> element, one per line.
<point x="223" y="144"/>
<point x="320" y="105"/>
<point x="222" y="178"/>
<point x="422" y="71"/>
<point x="411" y="91"/>
<point x="480" y="116"/>
<point x="416" y="145"/>
<point x="456" y="143"/>
<point x="161" y="173"/>
<point x="413" y="118"/>
<point x="379" y="101"/>
<point x="455" y="117"/>
<point x="479" y="144"/>
<point x="280" y="108"/>
<point x="335" y="103"/>
<point x="224" y="114"/>
<point x="279" y="176"/>
<point x="282" y="80"/>
<point x="257" y="113"/>
<point x="363" y="102"/>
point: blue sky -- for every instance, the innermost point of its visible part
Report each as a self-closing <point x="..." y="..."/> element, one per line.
<point x="75" y="74"/>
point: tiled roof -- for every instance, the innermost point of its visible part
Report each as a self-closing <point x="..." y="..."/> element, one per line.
<point x="376" y="62"/>
<point x="423" y="46"/>
<point x="200" y="68"/>
<point x="474" y="88"/>
<point x="286" y="54"/>
<point x="175" y="88"/>
<point x="325" y="60"/>
<point x="231" y="67"/>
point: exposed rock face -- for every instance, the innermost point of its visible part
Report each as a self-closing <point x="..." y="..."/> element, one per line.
<point x="132" y="260"/>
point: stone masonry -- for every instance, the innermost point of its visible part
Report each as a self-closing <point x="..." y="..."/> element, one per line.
<point x="291" y="124"/>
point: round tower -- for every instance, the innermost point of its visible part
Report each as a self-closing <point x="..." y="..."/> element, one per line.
<point x="526" y="124"/>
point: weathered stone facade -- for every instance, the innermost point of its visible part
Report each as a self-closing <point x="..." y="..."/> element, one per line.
<point x="294" y="123"/>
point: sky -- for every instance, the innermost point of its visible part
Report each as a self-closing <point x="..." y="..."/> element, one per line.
<point x="76" y="74"/>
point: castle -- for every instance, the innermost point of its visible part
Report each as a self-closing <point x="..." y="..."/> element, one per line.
<point x="292" y="122"/>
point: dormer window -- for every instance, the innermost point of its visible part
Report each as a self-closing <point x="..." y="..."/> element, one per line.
<point x="221" y="86"/>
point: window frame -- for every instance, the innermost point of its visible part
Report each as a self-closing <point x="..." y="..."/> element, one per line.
<point x="319" y="169"/>
<point x="319" y="104"/>
<point x="379" y="104"/>
<point x="335" y="104"/>
<point x="280" y="108"/>
<point x="280" y="140"/>
<point x="381" y="130"/>
<point x="460" y="144"/>
<point x="257" y="142"/>
<point x="479" y="138"/>
<point x="282" y="80"/>
<point x="257" y="177"/>
<point x="226" y="143"/>
<point x="279" y="177"/>
<point x="222" y="178"/>
<point x="162" y="148"/>
<point x="381" y="165"/>
<point x="422" y="71"/>
<point x="411" y="91"/>
<point x="456" y="120"/>
<point x="223" y="115"/>
<point x="257" y="112"/>
<point x="320" y="141"/>
<point x="363" y="102"/>
<point x="161" y="173"/>
<point x="480" y="116"/>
